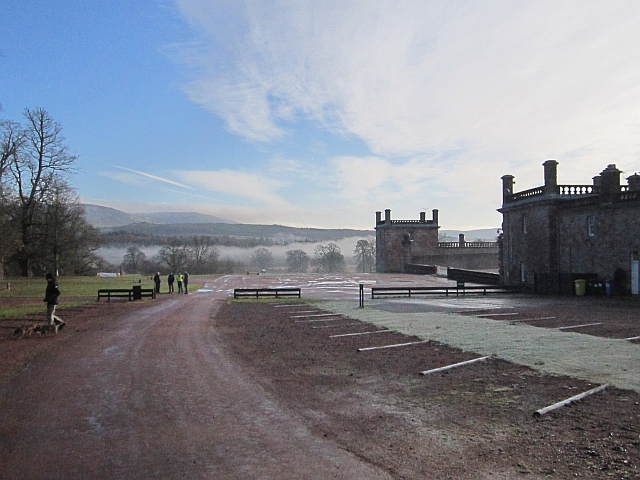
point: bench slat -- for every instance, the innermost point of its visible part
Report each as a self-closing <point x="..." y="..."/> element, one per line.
<point x="266" y="292"/>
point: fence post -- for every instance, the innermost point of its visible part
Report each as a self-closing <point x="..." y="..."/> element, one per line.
<point x="361" y="295"/>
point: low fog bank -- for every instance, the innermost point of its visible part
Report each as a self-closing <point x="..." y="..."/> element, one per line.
<point x="347" y="246"/>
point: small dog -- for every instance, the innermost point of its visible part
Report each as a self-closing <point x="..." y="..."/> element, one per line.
<point x="25" y="330"/>
<point x="43" y="329"/>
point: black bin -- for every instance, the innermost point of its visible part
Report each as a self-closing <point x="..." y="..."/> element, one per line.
<point x="137" y="292"/>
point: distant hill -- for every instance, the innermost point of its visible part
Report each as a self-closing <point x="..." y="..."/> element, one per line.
<point x="106" y="217"/>
<point x="274" y="232"/>
<point x="176" y="224"/>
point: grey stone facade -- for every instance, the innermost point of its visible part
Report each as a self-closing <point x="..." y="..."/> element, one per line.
<point x="404" y="243"/>
<point x="555" y="234"/>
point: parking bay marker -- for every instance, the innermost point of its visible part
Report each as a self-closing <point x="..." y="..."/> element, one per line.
<point x="391" y="346"/>
<point x="542" y="411"/>
<point x="340" y="326"/>
<point x="580" y="326"/>
<point x="359" y="333"/>
<point x="531" y="319"/>
<point x="319" y="320"/>
<point x="454" y="365"/>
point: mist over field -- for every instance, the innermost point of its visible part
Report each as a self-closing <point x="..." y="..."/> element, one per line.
<point x="347" y="245"/>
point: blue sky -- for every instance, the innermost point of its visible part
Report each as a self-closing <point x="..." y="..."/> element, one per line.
<point x="319" y="113"/>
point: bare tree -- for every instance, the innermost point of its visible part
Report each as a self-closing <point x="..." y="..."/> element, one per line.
<point x="173" y="254"/>
<point x="297" y="260"/>
<point x="365" y="255"/>
<point x="36" y="164"/>
<point x="328" y="258"/>
<point x="67" y="242"/>
<point x="262" y="259"/>
<point x="11" y="140"/>
<point x="202" y="255"/>
<point x="134" y="260"/>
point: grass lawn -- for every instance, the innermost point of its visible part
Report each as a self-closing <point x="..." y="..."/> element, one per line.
<point x="70" y="286"/>
<point x="74" y="291"/>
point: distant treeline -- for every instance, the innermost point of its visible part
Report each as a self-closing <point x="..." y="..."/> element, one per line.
<point x="233" y="235"/>
<point x="276" y="232"/>
<point x="122" y="238"/>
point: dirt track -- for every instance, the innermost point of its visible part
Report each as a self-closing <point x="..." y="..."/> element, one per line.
<point x="193" y="387"/>
<point x="153" y="394"/>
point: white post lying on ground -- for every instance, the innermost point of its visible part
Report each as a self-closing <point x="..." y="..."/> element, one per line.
<point x="633" y="338"/>
<point x="580" y="326"/>
<point x="544" y="410"/>
<point x="319" y="320"/>
<point x="359" y="333"/>
<point x="448" y="367"/>
<point x="340" y="326"/>
<point x="532" y="319"/>
<point x="391" y="346"/>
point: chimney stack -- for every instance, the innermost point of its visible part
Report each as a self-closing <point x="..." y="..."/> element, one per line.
<point x="610" y="180"/>
<point x="507" y="187"/>
<point x="550" y="177"/>
<point x="634" y="182"/>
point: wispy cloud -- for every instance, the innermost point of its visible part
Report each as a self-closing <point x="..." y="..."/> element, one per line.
<point x="528" y="77"/>
<point x="127" y="178"/>
<point x="242" y="184"/>
<point x="447" y="96"/>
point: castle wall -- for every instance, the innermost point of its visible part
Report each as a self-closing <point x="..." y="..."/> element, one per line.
<point x="616" y="235"/>
<point x="403" y="242"/>
<point x="527" y="233"/>
<point x="397" y="244"/>
<point x="463" y="258"/>
<point x="556" y="233"/>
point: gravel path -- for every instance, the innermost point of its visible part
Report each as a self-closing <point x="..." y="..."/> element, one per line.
<point x="154" y="394"/>
<point x="599" y="360"/>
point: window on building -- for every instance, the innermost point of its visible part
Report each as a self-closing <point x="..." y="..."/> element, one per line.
<point x="591" y="226"/>
<point x="524" y="223"/>
<point x="523" y="273"/>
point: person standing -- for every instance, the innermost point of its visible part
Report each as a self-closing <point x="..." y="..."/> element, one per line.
<point x="51" y="296"/>
<point x="179" y="279"/>
<point x="185" y="279"/>
<point x="170" y="280"/>
<point x="156" y="280"/>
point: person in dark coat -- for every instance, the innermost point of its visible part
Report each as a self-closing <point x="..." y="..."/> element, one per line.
<point x="156" y="280"/>
<point x="170" y="280"/>
<point x="51" y="298"/>
<point x="185" y="280"/>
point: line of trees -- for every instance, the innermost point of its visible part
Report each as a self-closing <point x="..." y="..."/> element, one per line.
<point x="41" y="219"/>
<point x="197" y="255"/>
<point x="329" y="258"/>
<point x="119" y="238"/>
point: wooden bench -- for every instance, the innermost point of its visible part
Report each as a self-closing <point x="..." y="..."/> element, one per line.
<point x="266" y="292"/>
<point x="125" y="292"/>
<point x="459" y="289"/>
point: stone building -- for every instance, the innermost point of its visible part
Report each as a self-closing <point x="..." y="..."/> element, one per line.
<point x="556" y="234"/>
<point x="410" y="246"/>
